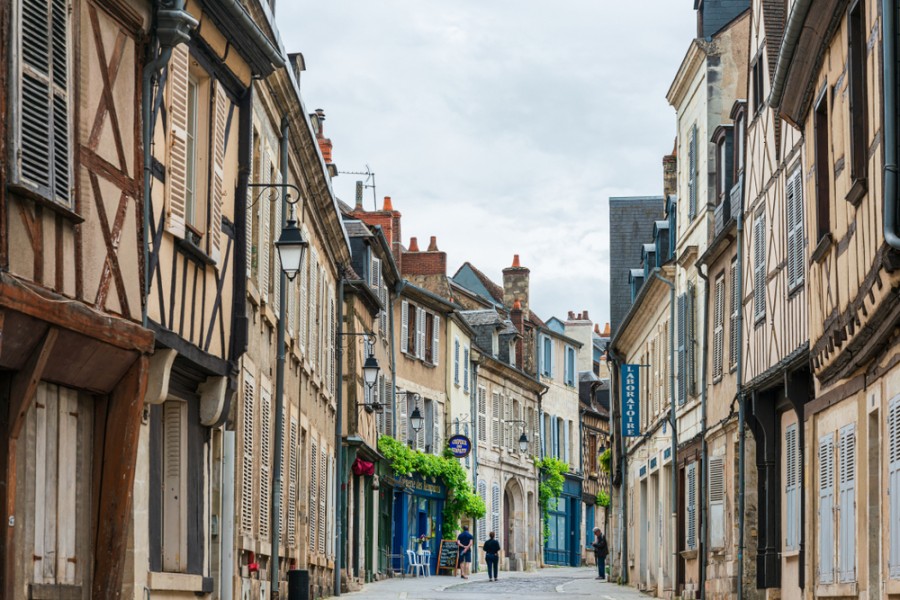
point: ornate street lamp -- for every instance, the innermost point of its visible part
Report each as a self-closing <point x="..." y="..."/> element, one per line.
<point x="291" y="247"/>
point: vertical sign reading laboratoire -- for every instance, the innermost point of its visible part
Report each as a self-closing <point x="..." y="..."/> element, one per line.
<point x="631" y="404"/>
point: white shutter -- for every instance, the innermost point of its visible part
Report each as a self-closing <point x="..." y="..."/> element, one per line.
<point x="465" y="367"/>
<point x="313" y="309"/>
<point x="791" y="486"/>
<point x="247" y="456"/>
<point x="174" y="515"/>
<point x="680" y="348"/>
<point x="332" y="333"/>
<point x="690" y="513"/>
<point x="383" y="315"/>
<point x="375" y="279"/>
<point x="690" y="339"/>
<point x="436" y="431"/>
<point x="495" y="419"/>
<point x="692" y="174"/>
<point x="404" y="326"/>
<point x="495" y="512"/>
<point x="313" y="511"/>
<point x="482" y="522"/>
<point x="847" y="532"/>
<point x="719" y="326"/>
<point x="420" y="435"/>
<point x="826" y="509"/>
<point x="275" y="229"/>
<point x="217" y="196"/>
<point x="388" y="406"/>
<point x="482" y="415"/>
<point x="893" y="426"/>
<point x="263" y="207"/>
<point x="176" y="165"/>
<point x="420" y="333"/>
<point x="456" y="361"/>
<point x="293" y="475"/>
<point x="265" y="458"/>
<point x="323" y="496"/>
<point x="303" y="312"/>
<point x="716" y="502"/>
<point x="402" y="420"/>
<point x="759" y="266"/>
<point x="735" y="307"/>
<point x="435" y="339"/>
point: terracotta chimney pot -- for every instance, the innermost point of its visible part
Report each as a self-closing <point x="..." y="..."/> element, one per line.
<point x="517" y="305"/>
<point x="584" y="316"/>
<point x="388" y="206"/>
<point x="606" y="330"/>
<point x="571" y="315"/>
<point x="413" y="245"/>
<point x="516" y="261"/>
<point x="597" y="328"/>
<point x="432" y="245"/>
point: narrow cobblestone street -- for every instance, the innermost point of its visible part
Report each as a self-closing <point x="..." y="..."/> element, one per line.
<point x="546" y="583"/>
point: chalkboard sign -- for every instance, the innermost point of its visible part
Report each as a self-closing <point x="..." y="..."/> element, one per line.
<point x="447" y="555"/>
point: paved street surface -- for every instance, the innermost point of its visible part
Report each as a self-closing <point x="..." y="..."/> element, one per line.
<point x="552" y="582"/>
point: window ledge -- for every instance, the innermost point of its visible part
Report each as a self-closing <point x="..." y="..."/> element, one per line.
<point x="179" y="582"/>
<point x="60" y="209"/>
<point x="857" y="191"/>
<point x="194" y="252"/>
<point x="50" y="591"/>
<point x="793" y="553"/>
<point x="837" y="590"/>
<point x="822" y="248"/>
<point x="689" y="554"/>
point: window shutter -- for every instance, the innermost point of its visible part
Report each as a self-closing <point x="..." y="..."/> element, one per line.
<point x="759" y="267"/>
<point x="436" y="432"/>
<point x="176" y="165"/>
<point x="265" y="459"/>
<point x="690" y="526"/>
<point x="690" y="340"/>
<point x="175" y="485"/>
<point x="535" y="433"/>
<point x="43" y="131"/>
<point x="682" y="365"/>
<point x="692" y="174"/>
<point x="383" y="315"/>
<point x="893" y="461"/>
<point x="794" y="202"/>
<point x="388" y="406"/>
<point x="456" y="361"/>
<point x="495" y="511"/>
<point x="554" y="437"/>
<point x="218" y="174"/>
<point x="792" y="516"/>
<point x="303" y="312"/>
<point x="313" y="511"/>
<point x="826" y="509"/>
<point x="718" y="326"/>
<point x="469" y="455"/>
<point x="332" y="333"/>
<point x="420" y="333"/>
<point x="435" y="339"/>
<point x="482" y="415"/>
<point x="466" y="369"/>
<point x="263" y="207"/>
<point x="791" y="238"/>
<point x="276" y="258"/>
<point x="313" y="326"/>
<point x="735" y="307"/>
<point x="293" y="474"/>
<point x="482" y="522"/>
<point x="403" y="431"/>
<point x="323" y="495"/>
<point x="495" y="419"/>
<point x="420" y="435"/>
<point x="247" y="455"/>
<point x="716" y="502"/>
<point x="847" y="531"/>
<point x="404" y="326"/>
<point x="376" y="273"/>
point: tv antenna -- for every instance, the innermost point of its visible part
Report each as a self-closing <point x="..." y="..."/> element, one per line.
<point x="361" y="185"/>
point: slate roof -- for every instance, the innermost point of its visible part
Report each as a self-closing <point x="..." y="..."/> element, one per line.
<point x="489" y="289"/>
<point x="357" y="229"/>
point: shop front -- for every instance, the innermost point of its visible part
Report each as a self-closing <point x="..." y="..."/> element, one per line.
<point x="563" y="546"/>
<point x="418" y="518"/>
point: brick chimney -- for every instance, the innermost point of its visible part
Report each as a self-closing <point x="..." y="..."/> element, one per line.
<point x="670" y="173"/>
<point x="518" y="320"/>
<point x="427" y="263"/>
<point x="389" y="220"/>
<point x="325" y="145"/>
<point x="515" y="285"/>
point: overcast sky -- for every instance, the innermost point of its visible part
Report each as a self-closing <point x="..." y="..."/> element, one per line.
<point x="500" y="126"/>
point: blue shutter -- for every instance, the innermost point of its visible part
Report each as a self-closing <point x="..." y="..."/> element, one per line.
<point x="847" y="533"/>
<point x="894" y="486"/>
<point x="456" y="361"/>
<point x="826" y="509"/>
<point x="682" y="365"/>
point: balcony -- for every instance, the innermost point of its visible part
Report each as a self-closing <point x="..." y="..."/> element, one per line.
<point x="724" y="213"/>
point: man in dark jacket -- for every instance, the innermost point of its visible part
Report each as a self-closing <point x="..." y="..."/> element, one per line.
<point x="601" y="551"/>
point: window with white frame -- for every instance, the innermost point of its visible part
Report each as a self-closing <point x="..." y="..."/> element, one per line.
<point x="419" y="333"/>
<point x="546" y="356"/>
<point x="570" y="366"/>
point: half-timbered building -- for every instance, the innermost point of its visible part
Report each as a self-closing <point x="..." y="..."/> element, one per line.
<point x="74" y="354"/>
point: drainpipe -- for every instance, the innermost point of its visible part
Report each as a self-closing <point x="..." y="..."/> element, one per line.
<point x="704" y="450"/>
<point x="673" y="496"/>
<point x="398" y="289"/>
<point x="739" y="377"/>
<point x="473" y="410"/>
<point x="614" y="403"/>
<point x="792" y="31"/>
<point x="279" y="372"/>
<point x="338" y="435"/>
<point x="172" y="28"/>
<point x="889" y="64"/>
<point x="226" y="572"/>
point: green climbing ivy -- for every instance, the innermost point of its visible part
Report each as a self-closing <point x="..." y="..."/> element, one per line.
<point x="550" y="488"/>
<point x="606" y="461"/>
<point x="461" y="500"/>
<point x="603" y="499"/>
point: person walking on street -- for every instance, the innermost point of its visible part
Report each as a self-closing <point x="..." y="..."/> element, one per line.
<point x="492" y="556"/>
<point x="601" y="551"/>
<point x="464" y="541"/>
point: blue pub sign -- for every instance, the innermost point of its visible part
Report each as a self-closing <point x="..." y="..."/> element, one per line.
<point x="631" y="385"/>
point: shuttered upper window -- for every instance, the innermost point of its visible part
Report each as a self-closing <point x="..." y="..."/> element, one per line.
<point x="847" y="507"/>
<point x="718" y="326"/>
<point x="794" y="204"/>
<point x="482" y="414"/>
<point x="893" y="460"/>
<point x="791" y="489"/>
<point x="826" y="509"/>
<point x="735" y="315"/>
<point x="759" y="267"/>
<point x="41" y="106"/>
<point x="690" y="513"/>
<point x="692" y="174"/>
<point x="717" y="523"/>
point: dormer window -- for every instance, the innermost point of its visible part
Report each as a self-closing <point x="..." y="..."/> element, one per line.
<point x="723" y="140"/>
<point x="739" y="116"/>
<point x="495" y="344"/>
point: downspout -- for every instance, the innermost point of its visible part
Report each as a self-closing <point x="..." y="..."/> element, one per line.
<point x="614" y="403"/>
<point x="172" y="28"/>
<point x="398" y="289"/>
<point x="473" y="410"/>
<point x="889" y="65"/>
<point x="673" y="496"/>
<point x="226" y="571"/>
<point x="279" y="372"/>
<point x="704" y="352"/>
<point x="792" y="32"/>
<point x="338" y="435"/>
<point x="739" y="377"/>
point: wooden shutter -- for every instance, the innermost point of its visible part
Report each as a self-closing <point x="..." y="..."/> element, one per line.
<point x="313" y="309"/>
<point x="265" y="459"/>
<point x="791" y="488"/>
<point x="456" y="361"/>
<point x="303" y="311"/>
<point x="482" y="415"/>
<point x="293" y="476"/>
<point x="482" y="522"/>
<point x="404" y="326"/>
<point x="794" y="207"/>
<point x="435" y="339"/>
<point x="716" y="502"/>
<point x="375" y="280"/>
<point x="692" y="174"/>
<point x="495" y="419"/>
<point x="313" y="512"/>
<point x="323" y="496"/>
<point x="691" y="339"/>
<point x="174" y="515"/>
<point x="826" y="509"/>
<point x="690" y="525"/>
<point x="759" y="267"/>
<point x="332" y="333"/>
<point x="385" y="303"/>
<point x="682" y="332"/>
<point x="436" y="431"/>
<point x="402" y="420"/>
<point x="247" y="456"/>
<point x="420" y="333"/>
<point x="495" y="511"/>
<point x="275" y="227"/>
<point x="893" y="435"/>
<point x="465" y="367"/>
<point x="735" y="307"/>
<point x="847" y="489"/>
<point x="718" y="326"/>
<point x="263" y="207"/>
<point x="535" y="433"/>
<point x="217" y="195"/>
<point x="176" y="165"/>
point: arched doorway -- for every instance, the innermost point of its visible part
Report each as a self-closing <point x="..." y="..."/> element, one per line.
<point x="514" y="527"/>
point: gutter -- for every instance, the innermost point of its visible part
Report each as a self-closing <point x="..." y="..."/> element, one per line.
<point x="889" y="66"/>
<point x="704" y="450"/>
<point x="788" y="46"/>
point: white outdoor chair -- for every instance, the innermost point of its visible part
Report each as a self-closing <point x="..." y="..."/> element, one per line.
<point x="415" y="565"/>
<point x="426" y="561"/>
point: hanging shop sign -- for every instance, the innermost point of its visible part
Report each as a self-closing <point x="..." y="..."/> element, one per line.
<point x="459" y="445"/>
<point x="631" y="385"/>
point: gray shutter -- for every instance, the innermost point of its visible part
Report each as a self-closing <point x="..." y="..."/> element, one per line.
<point x="247" y="454"/>
<point x="293" y="474"/>
<point x="495" y="512"/>
<point x="718" y="326"/>
<point x="265" y="459"/>
<point x="692" y="175"/>
<point x="690" y="339"/>
<point x="717" y="502"/>
<point x="759" y="267"/>
<point x="435" y="339"/>
<point x="792" y="516"/>
<point x="456" y="361"/>
<point x="735" y="307"/>
<point x="465" y="367"/>
<point x="388" y="406"/>
<point x="174" y="484"/>
<point x="826" y="509"/>
<point x="404" y="326"/>
<point x="495" y="419"/>
<point x="847" y="532"/>
<point x="894" y="486"/>
<point x="482" y="522"/>
<point x="682" y="366"/>
<point x="482" y="415"/>
<point x="313" y="509"/>
<point x="403" y="430"/>
<point x="690" y="525"/>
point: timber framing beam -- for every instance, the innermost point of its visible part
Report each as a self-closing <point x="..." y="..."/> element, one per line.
<point x="25" y="382"/>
